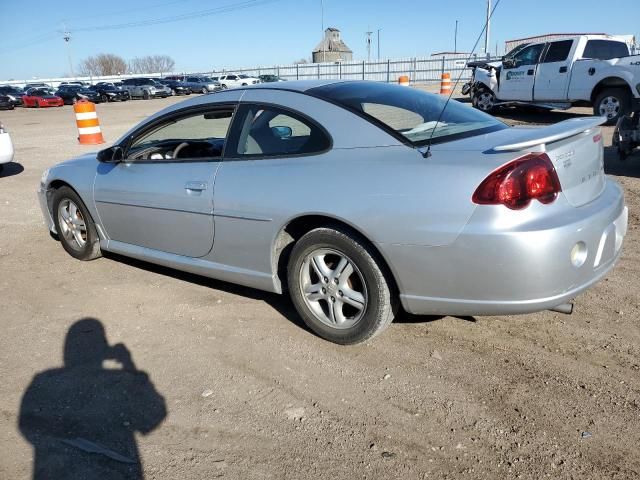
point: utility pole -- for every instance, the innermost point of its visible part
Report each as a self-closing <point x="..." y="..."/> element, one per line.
<point x="67" y="37"/>
<point x="455" y="39"/>
<point x="369" y="45"/>
<point x="379" y="43"/>
<point x="322" y="21"/>
<point x="486" y="32"/>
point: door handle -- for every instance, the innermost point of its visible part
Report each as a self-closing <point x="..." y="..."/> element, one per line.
<point x="197" y="186"/>
<point x="530" y="72"/>
<point x="563" y="70"/>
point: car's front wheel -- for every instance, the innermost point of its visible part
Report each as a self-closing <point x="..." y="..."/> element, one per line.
<point x="339" y="286"/>
<point x="145" y="95"/>
<point x="74" y="225"/>
<point x="484" y="100"/>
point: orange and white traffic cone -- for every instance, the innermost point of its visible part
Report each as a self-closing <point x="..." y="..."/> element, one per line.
<point x="403" y="80"/>
<point x="87" y="121"/>
<point x="445" y="84"/>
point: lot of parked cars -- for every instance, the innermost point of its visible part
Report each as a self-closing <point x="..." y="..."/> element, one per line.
<point x="40" y="94"/>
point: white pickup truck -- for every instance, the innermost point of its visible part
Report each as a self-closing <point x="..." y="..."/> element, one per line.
<point x="588" y="70"/>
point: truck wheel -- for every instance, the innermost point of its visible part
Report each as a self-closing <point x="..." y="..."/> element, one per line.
<point x="612" y="103"/>
<point x="484" y="100"/>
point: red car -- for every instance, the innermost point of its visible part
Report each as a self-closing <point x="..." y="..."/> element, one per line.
<point x="41" y="98"/>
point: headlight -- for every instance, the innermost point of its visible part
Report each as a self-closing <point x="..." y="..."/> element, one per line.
<point x="43" y="178"/>
<point x="12" y="98"/>
<point x="111" y="94"/>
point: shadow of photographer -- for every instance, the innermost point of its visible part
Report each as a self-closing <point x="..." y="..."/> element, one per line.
<point x="81" y="419"/>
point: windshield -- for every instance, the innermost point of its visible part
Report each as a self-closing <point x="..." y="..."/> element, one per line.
<point x="410" y="112"/>
<point x="207" y="79"/>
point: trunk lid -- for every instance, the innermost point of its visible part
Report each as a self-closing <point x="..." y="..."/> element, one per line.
<point x="575" y="147"/>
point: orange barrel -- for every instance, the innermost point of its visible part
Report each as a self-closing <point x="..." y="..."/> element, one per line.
<point x="403" y="80"/>
<point x="87" y="121"/>
<point x="445" y="84"/>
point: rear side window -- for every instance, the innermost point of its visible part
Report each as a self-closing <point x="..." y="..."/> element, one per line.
<point x="558" y="51"/>
<point x="605" y="49"/>
<point x="409" y="113"/>
<point x="266" y="131"/>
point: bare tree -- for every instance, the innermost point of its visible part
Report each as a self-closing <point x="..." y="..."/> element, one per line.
<point x="152" y="64"/>
<point x="103" y="64"/>
<point x="301" y="61"/>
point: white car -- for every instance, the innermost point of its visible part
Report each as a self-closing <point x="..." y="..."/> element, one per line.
<point x="6" y="147"/>
<point x="233" y="80"/>
<point x="594" y="70"/>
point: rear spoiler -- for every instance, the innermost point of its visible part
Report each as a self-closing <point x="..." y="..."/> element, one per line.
<point x="559" y="131"/>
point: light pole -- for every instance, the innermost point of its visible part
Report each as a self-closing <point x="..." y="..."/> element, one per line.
<point x="486" y="32"/>
<point x="455" y="39"/>
<point x="369" y="46"/>
<point x="322" y="22"/>
<point x="379" y="43"/>
<point x="67" y="37"/>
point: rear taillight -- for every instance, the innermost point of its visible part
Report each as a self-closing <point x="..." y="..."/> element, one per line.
<point x="515" y="184"/>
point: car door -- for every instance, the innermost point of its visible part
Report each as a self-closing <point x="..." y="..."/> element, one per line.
<point x="554" y="69"/>
<point x="517" y="78"/>
<point x="269" y="150"/>
<point x="160" y="196"/>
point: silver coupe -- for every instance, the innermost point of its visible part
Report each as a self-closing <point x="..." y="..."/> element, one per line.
<point x="356" y="198"/>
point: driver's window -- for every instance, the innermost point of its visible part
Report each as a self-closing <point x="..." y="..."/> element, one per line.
<point x="194" y="136"/>
<point x="528" y="55"/>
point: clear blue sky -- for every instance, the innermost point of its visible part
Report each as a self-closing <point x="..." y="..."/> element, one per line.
<point x="267" y="32"/>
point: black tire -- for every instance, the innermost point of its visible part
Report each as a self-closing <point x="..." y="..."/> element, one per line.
<point x="381" y="302"/>
<point x="204" y="90"/>
<point x="37" y="104"/>
<point x="244" y="84"/>
<point x="603" y="99"/>
<point x="484" y="100"/>
<point x="223" y="86"/>
<point x="91" y="249"/>
<point x="104" y="98"/>
<point x="145" y="95"/>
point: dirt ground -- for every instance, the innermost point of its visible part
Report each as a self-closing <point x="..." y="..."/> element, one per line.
<point x="235" y="387"/>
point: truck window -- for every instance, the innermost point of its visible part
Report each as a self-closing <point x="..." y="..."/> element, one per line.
<point x="558" y="51"/>
<point x="528" y="55"/>
<point x="605" y="49"/>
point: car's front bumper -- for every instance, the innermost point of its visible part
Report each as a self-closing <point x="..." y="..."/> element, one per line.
<point x="516" y="268"/>
<point x="43" y="201"/>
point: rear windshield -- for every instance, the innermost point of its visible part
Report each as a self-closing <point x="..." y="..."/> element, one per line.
<point x="410" y="112"/>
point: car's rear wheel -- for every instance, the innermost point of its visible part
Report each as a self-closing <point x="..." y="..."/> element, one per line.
<point x="75" y="227"/>
<point x="612" y="103"/>
<point x="145" y="95"/>
<point x="223" y="86"/>
<point x="104" y="98"/>
<point x="204" y="90"/>
<point x="339" y="286"/>
<point x="37" y="105"/>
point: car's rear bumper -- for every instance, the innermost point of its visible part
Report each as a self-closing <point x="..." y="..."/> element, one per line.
<point x="6" y="148"/>
<point x="519" y="268"/>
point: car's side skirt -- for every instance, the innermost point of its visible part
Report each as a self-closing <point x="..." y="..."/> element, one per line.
<point x="198" y="266"/>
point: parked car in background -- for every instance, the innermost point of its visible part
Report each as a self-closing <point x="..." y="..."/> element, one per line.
<point x="437" y="207"/>
<point x="177" y="87"/>
<point x="15" y="94"/>
<point x="110" y="93"/>
<point x="233" y="80"/>
<point x="587" y="70"/>
<point x="270" y="78"/>
<point x="36" y="85"/>
<point x="6" y="103"/>
<point x="78" y="83"/>
<point x="201" y="84"/>
<point x="145" y="88"/>
<point x="40" y="97"/>
<point x="71" y="93"/>
<point x="6" y="147"/>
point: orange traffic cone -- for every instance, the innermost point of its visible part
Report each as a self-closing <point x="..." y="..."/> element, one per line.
<point x="87" y="121"/>
<point x="403" y="80"/>
<point x="445" y="84"/>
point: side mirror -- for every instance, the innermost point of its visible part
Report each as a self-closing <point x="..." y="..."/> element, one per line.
<point x="508" y="63"/>
<point x="282" y="132"/>
<point x="113" y="154"/>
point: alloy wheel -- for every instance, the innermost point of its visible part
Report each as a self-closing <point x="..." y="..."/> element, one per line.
<point x="72" y="224"/>
<point x="609" y="107"/>
<point x="333" y="287"/>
